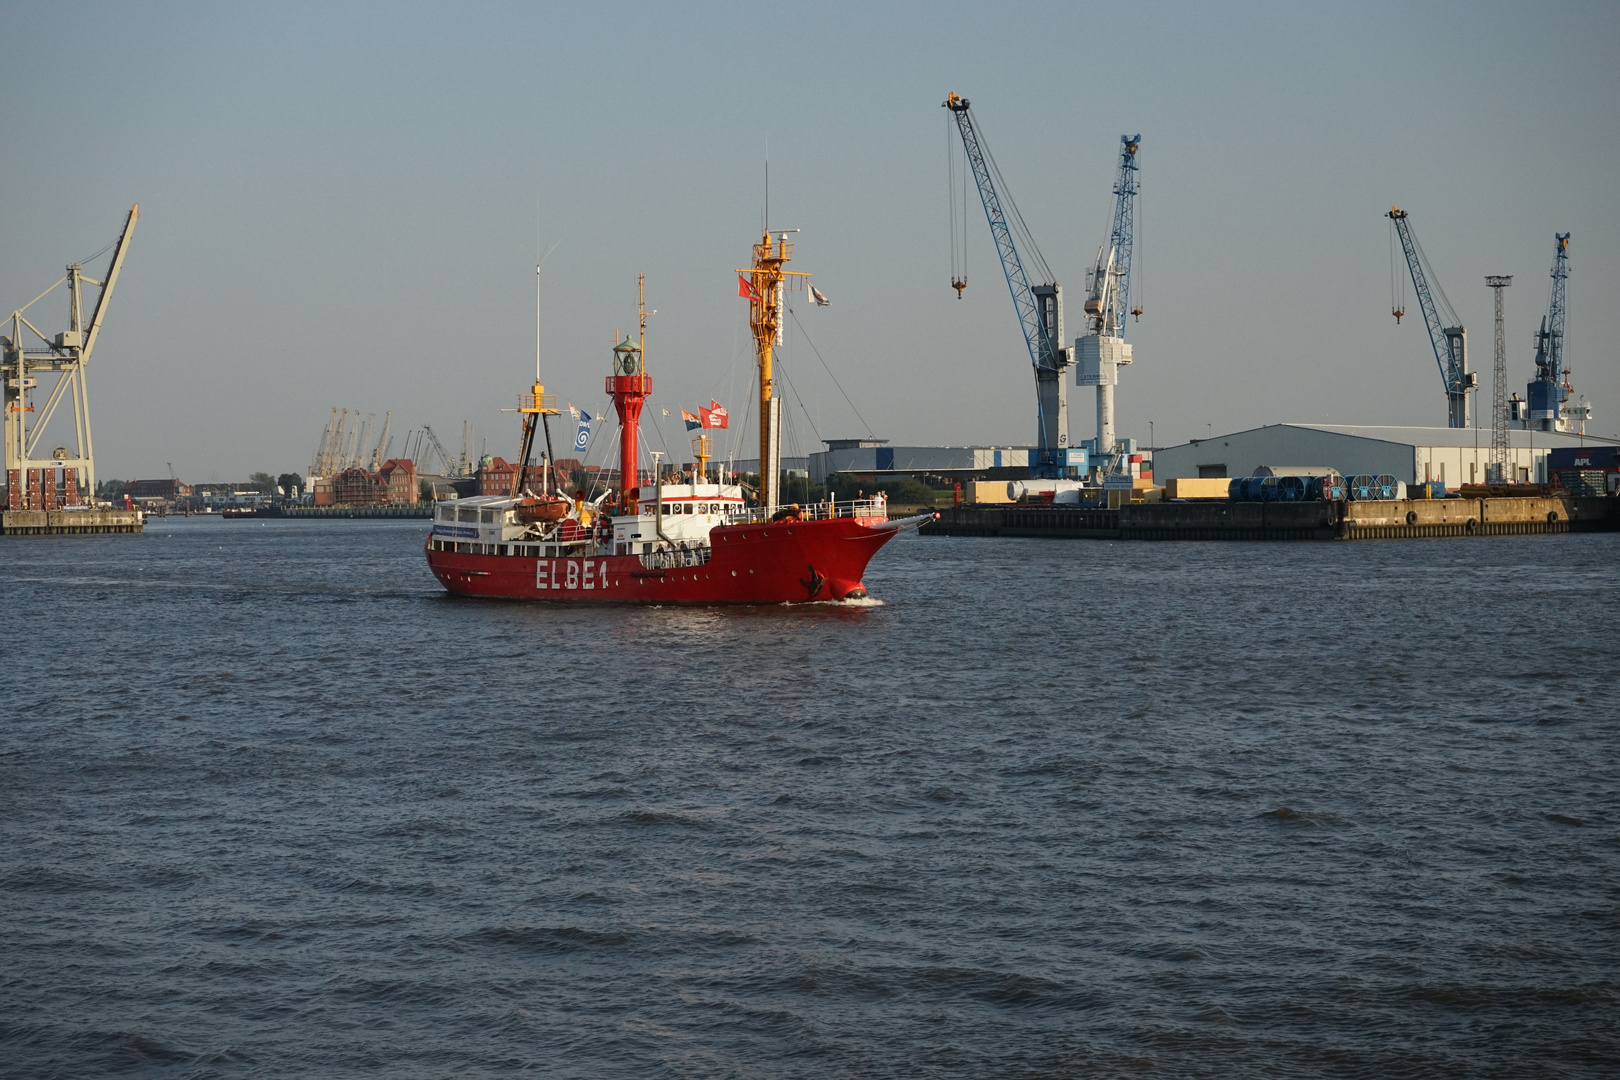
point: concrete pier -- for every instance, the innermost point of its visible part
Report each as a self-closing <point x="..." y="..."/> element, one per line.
<point x="1213" y="520"/>
<point x="69" y="522"/>
<point x="346" y="512"/>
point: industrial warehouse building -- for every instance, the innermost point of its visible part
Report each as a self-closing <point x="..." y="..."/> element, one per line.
<point x="1454" y="456"/>
<point x="876" y="456"/>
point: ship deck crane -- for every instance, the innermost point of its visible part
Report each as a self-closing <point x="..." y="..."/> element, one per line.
<point x="1446" y="332"/>
<point x="1039" y="307"/>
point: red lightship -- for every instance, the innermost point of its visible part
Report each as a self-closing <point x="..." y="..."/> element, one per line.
<point x="693" y="543"/>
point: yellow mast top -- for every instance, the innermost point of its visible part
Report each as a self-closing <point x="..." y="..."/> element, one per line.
<point x="769" y="282"/>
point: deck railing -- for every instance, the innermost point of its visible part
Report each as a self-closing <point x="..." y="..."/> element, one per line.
<point x="876" y="507"/>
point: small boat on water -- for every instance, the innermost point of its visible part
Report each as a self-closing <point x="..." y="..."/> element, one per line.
<point x="652" y="542"/>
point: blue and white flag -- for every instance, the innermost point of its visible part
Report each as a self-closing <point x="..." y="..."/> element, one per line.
<point x="583" y="438"/>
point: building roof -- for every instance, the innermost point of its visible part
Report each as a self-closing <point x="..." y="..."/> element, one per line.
<point x="1436" y="436"/>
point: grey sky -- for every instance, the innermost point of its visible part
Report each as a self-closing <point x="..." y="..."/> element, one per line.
<point x="338" y="205"/>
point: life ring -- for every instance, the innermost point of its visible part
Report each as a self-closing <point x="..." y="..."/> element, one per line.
<point x="1411" y="517"/>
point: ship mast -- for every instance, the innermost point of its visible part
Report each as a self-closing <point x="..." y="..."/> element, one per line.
<point x="768" y="284"/>
<point x="629" y="386"/>
<point x="536" y="409"/>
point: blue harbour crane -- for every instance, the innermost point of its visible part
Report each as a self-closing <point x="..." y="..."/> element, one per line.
<point x="1039" y="307"/>
<point x="1550" y="389"/>
<point x="1446" y="332"/>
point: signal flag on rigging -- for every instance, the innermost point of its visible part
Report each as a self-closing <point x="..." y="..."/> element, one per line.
<point x="818" y="296"/>
<point x="745" y="289"/>
<point x="715" y="416"/>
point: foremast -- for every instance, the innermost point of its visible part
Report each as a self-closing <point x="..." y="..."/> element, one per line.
<point x="629" y="386"/>
<point x="767" y="300"/>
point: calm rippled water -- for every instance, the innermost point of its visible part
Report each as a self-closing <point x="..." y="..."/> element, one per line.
<point x="272" y="804"/>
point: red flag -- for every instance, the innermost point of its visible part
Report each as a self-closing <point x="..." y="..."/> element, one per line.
<point x="746" y="290"/>
<point x="715" y="417"/>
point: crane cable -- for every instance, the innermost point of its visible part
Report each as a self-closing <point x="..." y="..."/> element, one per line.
<point x="1138" y="234"/>
<point x="1397" y="283"/>
<point x="950" y="190"/>
<point x="956" y="202"/>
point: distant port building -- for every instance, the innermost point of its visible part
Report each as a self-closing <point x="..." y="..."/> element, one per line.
<point x="1453" y="456"/>
<point x="869" y="456"/>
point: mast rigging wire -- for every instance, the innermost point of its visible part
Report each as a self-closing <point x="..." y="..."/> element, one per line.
<point x="829" y="371"/>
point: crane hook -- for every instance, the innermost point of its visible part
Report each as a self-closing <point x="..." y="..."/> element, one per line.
<point x="959" y="284"/>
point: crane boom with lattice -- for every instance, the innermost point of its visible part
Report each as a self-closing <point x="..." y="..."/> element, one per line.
<point x="1446" y="332"/>
<point x="438" y="448"/>
<point x="1103" y="350"/>
<point x="1550" y="391"/>
<point x="1039" y="307"/>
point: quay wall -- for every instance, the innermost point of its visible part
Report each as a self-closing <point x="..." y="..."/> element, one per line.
<point x="69" y="522"/>
<point x="1221" y="520"/>
<point x="346" y="512"/>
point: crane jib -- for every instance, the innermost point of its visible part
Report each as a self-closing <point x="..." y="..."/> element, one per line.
<point x="1449" y="342"/>
<point x="1043" y="351"/>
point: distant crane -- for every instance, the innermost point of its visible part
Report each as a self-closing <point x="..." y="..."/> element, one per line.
<point x="67" y="356"/>
<point x="362" y="442"/>
<point x="1446" y="332"/>
<point x="380" y="451"/>
<point x="1103" y="351"/>
<point x="1551" y="390"/>
<point x="323" y="452"/>
<point x="438" y="448"/>
<point x="469" y="449"/>
<point x="1039" y="307"/>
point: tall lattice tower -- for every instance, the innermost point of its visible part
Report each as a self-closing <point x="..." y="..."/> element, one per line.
<point x="1496" y="470"/>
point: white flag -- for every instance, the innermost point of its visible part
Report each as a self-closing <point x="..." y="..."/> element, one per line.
<point x="817" y="295"/>
<point x="574" y="410"/>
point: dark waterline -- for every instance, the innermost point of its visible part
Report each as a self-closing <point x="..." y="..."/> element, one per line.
<point x="272" y="804"/>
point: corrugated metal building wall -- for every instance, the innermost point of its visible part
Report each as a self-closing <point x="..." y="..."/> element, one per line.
<point x="917" y="459"/>
<point x="1454" y="456"/>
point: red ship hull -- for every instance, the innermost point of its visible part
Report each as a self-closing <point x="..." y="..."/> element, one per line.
<point x="782" y="562"/>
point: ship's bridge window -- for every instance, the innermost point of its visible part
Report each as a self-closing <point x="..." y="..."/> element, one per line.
<point x="489" y="516"/>
<point x="467" y="514"/>
<point x="447" y="513"/>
